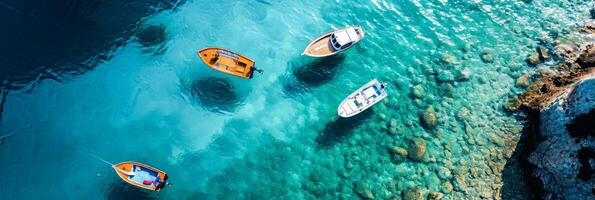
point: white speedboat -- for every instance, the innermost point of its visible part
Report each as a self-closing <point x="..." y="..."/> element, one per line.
<point x="334" y="42"/>
<point x="362" y="99"/>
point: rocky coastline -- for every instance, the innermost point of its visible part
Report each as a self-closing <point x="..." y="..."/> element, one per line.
<point x="560" y="107"/>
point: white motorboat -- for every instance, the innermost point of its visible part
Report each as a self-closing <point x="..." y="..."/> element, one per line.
<point x="334" y="42"/>
<point x="362" y="99"/>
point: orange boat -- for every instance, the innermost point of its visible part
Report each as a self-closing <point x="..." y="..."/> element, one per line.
<point x="141" y="175"/>
<point x="228" y="62"/>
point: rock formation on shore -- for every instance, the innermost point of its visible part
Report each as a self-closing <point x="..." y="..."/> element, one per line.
<point x="561" y="104"/>
<point x="557" y="159"/>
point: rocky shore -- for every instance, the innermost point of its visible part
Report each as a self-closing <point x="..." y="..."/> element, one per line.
<point x="561" y="110"/>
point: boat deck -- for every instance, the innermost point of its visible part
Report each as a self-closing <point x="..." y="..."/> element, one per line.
<point x="143" y="174"/>
<point x="321" y="47"/>
<point x="227" y="62"/>
<point x="362" y="99"/>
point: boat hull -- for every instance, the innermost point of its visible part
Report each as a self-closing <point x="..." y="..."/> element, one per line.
<point x="362" y="99"/>
<point x="227" y="61"/>
<point x="125" y="168"/>
<point x="322" y="47"/>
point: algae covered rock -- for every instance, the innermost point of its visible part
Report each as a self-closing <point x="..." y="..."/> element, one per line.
<point x="463" y="114"/>
<point x="447" y="187"/>
<point x="487" y="56"/>
<point x="464" y="74"/>
<point x="399" y="151"/>
<point x="435" y="196"/>
<point x="363" y="190"/>
<point x="429" y="117"/>
<point x="418" y="91"/>
<point x="445" y="76"/>
<point x="443" y="172"/>
<point x="523" y="81"/>
<point x="543" y="53"/>
<point x="417" y="149"/>
<point x="448" y="59"/>
<point x="533" y="58"/>
<point x="414" y="194"/>
<point x="460" y="183"/>
<point x="393" y="127"/>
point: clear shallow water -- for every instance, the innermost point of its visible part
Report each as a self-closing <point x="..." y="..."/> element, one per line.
<point x="277" y="136"/>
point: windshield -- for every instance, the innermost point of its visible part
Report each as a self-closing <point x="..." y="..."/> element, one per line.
<point x="334" y="42"/>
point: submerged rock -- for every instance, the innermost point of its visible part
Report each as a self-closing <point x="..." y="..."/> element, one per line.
<point x="523" y="81"/>
<point x="448" y="59"/>
<point x="486" y="193"/>
<point x="429" y="117"/>
<point x="447" y="89"/>
<point x="487" y="56"/>
<point x="543" y="53"/>
<point x="460" y="183"/>
<point x="463" y="114"/>
<point x="435" y="196"/>
<point x="363" y="190"/>
<point x="417" y="149"/>
<point x="399" y="151"/>
<point x="447" y="187"/>
<point x="445" y="76"/>
<point x="414" y="194"/>
<point x="533" y="58"/>
<point x="418" y="91"/>
<point x="443" y="173"/>
<point x="464" y="74"/>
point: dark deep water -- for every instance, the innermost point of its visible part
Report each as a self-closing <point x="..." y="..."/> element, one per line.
<point x="46" y="38"/>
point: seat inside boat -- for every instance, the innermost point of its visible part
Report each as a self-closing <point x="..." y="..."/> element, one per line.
<point x="372" y="92"/>
<point x="225" y="62"/>
<point x="213" y="60"/>
<point x="241" y="67"/>
<point x="141" y="175"/>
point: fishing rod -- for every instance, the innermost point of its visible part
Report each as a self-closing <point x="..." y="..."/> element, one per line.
<point x="113" y="166"/>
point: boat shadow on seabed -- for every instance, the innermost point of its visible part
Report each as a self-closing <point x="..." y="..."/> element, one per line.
<point x="121" y="190"/>
<point x="313" y="74"/>
<point x="215" y="94"/>
<point x="340" y="128"/>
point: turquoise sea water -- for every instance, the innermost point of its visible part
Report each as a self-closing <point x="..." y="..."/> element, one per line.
<point x="277" y="135"/>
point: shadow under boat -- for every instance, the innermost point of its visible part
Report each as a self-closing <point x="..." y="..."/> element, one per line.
<point x="313" y="74"/>
<point x="215" y="94"/>
<point x="121" y="190"/>
<point x="340" y="128"/>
